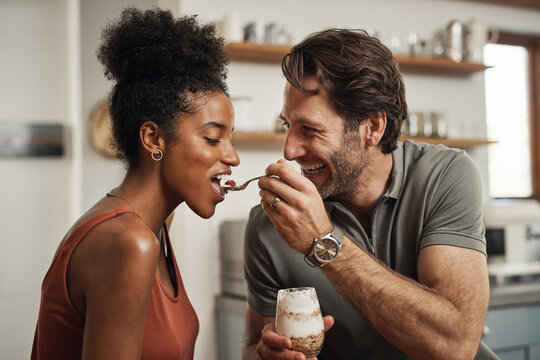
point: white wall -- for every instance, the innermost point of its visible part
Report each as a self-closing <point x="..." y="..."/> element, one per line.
<point x="35" y="87"/>
<point x="34" y="207"/>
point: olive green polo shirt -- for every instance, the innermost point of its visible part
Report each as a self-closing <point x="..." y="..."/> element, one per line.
<point x="434" y="198"/>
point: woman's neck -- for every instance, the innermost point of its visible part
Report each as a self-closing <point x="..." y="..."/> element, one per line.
<point x="145" y="192"/>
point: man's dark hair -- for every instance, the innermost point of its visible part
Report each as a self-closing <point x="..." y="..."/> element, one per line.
<point x="359" y="74"/>
<point x="160" y="66"/>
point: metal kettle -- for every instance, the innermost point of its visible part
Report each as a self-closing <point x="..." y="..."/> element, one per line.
<point x="466" y="41"/>
<point x="454" y="40"/>
<point x="477" y="35"/>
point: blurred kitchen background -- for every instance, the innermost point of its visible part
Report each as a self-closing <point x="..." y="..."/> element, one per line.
<point x="53" y="165"/>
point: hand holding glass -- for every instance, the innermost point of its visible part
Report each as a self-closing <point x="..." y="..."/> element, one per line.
<point x="298" y="317"/>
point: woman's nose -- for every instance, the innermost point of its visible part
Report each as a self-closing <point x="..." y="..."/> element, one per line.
<point x="231" y="156"/>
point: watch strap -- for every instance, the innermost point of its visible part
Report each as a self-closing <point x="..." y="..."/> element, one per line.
<point x="312" y="261"/>
<point x="337" y="234"/>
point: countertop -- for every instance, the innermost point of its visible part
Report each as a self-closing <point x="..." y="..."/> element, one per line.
<point x="514" y="283"/>
<point x="515" y="294"/>
<point x="510" y="291"/>
<point x="512" y="294"/>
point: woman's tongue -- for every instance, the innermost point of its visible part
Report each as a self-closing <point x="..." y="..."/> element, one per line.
<point x="216" y="185"/>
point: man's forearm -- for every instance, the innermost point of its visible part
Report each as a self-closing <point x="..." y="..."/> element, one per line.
<point x="416" y="319"/>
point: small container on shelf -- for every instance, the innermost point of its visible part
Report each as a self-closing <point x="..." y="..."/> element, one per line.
<point x="413" y="124"/>
<point x="438" y="124"/>
<point x="425" y="124"/>
<point x="426" y="127"/>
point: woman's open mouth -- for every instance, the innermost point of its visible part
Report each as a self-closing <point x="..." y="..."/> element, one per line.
<point x="216" y="183"/>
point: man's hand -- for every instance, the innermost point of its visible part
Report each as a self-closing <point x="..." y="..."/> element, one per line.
<point x="274" y="346"/>
<point x="299" y="216"/>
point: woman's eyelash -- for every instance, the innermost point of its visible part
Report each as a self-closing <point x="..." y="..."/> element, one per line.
<point x="212" y="141"/>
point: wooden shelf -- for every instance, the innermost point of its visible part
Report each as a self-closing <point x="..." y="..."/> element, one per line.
<point x="265" y="53"/>
<point x="455" y="143"/>
<point x="276" y="138"/>
<point x="268" y="53"/>
<point x="437" y="66"/>
<point x="531" y="4"/>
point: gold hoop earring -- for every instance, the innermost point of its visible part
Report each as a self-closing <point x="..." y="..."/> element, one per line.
<point x="157" y="154"/>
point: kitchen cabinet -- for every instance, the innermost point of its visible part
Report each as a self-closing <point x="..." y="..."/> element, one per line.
<point x="268" y="53"/>
<point x="230" y="314"/>
<point x="253" y="52"/>
<point x="534" y="351"/>
<point x="513" y="332"/>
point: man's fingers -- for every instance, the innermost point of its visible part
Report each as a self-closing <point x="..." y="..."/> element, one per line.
<point x="269" y="197"/>
<point x="275" y="346"/>
<point x="273" y="340"/>
<point x="328" y="322"/>
<point x="278" y="187"/>
<point x="289" y="174"/>
<point x="281" y="354"/>
<point x="270" y="210"/>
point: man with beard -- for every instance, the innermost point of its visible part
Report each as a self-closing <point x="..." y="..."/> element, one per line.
<point x="390" y="234"/>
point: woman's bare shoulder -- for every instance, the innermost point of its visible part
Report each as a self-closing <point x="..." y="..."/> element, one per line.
<point x="121" y="243"/>
<point x="125" y="235"/>
<point x="118" y="257"/>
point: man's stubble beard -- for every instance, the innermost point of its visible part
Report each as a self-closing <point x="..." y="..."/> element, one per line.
<point x="348" y="163"/>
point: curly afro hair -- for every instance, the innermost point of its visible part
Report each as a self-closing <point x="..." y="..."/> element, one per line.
<point x="160" y="65"/>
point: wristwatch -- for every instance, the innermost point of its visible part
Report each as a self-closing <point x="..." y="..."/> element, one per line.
<point x="325" y="248"/>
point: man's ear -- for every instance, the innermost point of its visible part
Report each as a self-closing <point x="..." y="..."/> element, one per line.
<point x="151" y="137"/>
<point x="376" y="125"/>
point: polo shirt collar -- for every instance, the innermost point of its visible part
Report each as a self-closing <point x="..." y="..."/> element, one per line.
<point x="396" y="176"/>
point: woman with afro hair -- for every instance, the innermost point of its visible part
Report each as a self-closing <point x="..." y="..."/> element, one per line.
<point x="113" y="290"/>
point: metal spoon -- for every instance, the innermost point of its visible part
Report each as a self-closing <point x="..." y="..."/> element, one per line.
<point x="240" y="187"/>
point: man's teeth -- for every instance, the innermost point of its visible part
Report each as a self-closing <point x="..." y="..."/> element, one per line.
<point x="313" y="169"/>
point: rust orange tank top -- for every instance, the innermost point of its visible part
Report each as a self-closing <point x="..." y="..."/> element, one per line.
<point x="171" y="323"/>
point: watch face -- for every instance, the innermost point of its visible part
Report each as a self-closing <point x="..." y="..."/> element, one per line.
<point x="326" y="250"/>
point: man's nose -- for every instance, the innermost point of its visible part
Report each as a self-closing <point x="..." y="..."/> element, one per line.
<point x="294" y="146"/>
